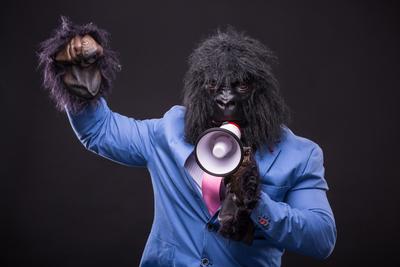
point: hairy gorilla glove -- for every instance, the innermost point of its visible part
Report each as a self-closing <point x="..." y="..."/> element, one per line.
<point x="242" y="191"/>
<point x="78" y="66"/>
<point x="82" y="77"/>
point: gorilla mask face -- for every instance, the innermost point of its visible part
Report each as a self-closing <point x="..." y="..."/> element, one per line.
<point x="227" y="101"/>
<point x="230" y="79"/>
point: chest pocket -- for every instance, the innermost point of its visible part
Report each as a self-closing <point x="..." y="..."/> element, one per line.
<point x="276" y="193"/>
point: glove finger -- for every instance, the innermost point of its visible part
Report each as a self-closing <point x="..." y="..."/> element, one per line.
<point x="77" y="41"/>
<point x="91" y="50"/>
<point x="71" y="48"/>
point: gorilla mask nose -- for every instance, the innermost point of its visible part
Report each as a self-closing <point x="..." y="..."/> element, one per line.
<point x="226" y="99"/>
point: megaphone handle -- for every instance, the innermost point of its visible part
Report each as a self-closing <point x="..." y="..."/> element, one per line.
<point x="246" y="155"/>
<point x="245" y="162"/>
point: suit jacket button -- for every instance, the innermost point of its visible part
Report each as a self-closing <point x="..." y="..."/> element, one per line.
<point x="205" y="262"/>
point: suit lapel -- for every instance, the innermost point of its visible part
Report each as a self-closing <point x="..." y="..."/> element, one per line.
<point x="266" y="158"/>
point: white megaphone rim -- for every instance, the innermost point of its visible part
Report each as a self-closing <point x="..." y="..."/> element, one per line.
<point x="221" y="130"/>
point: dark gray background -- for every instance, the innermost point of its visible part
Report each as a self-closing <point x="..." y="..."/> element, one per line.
<point x="339" y="72"/>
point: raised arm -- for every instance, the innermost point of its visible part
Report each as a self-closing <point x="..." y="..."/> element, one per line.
<point x="114" y="136"/>
<point x="78" y="69"/>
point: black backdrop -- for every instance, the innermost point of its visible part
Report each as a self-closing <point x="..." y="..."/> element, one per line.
<point x="339" y="72"/>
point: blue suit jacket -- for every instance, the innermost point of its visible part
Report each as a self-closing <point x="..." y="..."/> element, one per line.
<point x="293" y="212"/>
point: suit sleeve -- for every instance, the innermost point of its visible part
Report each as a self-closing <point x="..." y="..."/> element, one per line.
<point x="304" y="223"/>
<point x="113" y="136"/>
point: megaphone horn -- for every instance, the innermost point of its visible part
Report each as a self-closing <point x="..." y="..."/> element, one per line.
<point x="219" y="151"/>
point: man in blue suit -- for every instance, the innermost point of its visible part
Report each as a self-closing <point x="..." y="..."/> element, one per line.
<point x="279" y="200"/>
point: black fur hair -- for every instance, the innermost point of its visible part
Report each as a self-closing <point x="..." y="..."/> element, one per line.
<point x="53" y="71"/>
<point x="230" y="56"/>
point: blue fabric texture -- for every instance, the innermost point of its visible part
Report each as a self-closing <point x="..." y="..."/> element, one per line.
<point x="293" y="212"/>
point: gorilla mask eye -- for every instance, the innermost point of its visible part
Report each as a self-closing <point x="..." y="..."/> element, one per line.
<point x="243" y="87"/>
<point x="211" y="85"/>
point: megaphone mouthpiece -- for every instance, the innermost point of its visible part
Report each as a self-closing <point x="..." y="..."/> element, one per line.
<point x="222" y="147"/>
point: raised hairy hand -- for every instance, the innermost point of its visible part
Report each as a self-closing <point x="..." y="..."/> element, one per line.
<point x="82" y="77"/>
<point x="78" y="65"/>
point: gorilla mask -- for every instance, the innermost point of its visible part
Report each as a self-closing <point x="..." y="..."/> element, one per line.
<point x="230" y="79"/>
